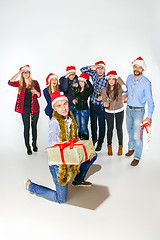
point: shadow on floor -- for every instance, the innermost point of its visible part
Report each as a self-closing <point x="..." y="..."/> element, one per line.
<point x="88" y="197"/>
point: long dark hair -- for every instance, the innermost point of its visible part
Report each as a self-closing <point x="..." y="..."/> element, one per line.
<point x="85" y="87"/>
<point x="115" y="89"/>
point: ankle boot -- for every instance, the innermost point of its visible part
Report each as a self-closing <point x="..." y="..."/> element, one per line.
<point x="29" y="152"/>
<point x="35" y="149"/>
<point x="110" y="150"/>
<point x="120" y="150"/>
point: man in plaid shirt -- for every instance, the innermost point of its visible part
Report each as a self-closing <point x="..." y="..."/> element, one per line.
<point x="97" y="73"/>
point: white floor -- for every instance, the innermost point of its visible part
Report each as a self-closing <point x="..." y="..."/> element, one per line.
<point x="123" y="202"/>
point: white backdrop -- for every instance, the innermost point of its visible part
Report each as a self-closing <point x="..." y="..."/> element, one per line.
<point x="49" y="35"/>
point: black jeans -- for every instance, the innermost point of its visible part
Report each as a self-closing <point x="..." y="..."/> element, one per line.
<point x="110" y="125"/>
<point x="97" y="113"/>
<point x="26" y="116"/>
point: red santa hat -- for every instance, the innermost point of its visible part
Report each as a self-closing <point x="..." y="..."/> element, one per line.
<point x="70" y="69"/>
<point x="57" y="96"/>
<point x="112" y="73"/>
<point x="139" y="61"/>
<point x="83" y="77"/>
<point x="48" y="78"/>
<point x="101" y="63"/>
<point x="25" y="68"/>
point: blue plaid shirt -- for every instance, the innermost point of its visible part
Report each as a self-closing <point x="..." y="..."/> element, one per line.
<point x="97" y="82"/>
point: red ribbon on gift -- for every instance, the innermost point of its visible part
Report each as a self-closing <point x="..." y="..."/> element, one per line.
<point x="71" y="144"/>
<point x="144" y="126"/>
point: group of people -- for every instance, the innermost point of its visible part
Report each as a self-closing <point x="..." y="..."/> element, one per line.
<point x="69" y="111"/>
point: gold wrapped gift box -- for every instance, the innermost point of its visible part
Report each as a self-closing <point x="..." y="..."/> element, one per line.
<point x="72" y="152"/>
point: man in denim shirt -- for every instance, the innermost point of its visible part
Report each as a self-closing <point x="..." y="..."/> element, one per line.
<point x="97" y="72"/>
<point x="139" y="92"/>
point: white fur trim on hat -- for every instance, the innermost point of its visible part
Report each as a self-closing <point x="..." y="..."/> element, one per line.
<point x="69" y="71"/>
<point x="81" y="79"/>
<point x="113" y="76"/>
<point x="52" y="76"/>
<point x="58" y="99"/>
<point x="26" y="69"/>
<point x="139" y="61"/>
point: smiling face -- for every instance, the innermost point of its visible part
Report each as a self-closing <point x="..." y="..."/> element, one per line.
<point x="100" y="70"/>
<point x="61" y="107"/>
<point x="26" y="74"/>
<point x="111" y="81"/>
<point x="81" y="83"/>
<point x="54" y="81"/>
<point x="71" y="75"/>
<point x="137" y="70"/>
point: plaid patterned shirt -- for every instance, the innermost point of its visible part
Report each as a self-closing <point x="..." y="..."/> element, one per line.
<point x="20" y="97"/>
<point x="97" y="83"/>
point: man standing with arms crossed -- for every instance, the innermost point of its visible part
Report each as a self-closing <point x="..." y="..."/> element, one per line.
<point x="139" y="92"/>
<point x="97" y="72"/>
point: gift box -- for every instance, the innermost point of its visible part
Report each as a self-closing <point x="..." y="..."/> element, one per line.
<point x="72" y="152"/>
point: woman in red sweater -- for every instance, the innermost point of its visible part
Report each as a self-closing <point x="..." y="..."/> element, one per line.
<point x="27" y="104"/>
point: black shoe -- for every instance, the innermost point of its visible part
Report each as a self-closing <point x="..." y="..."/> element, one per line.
<point x="35" y="149"/>
<point x="94" y="142"/>
<point x="81" y="184"/>
<point x="29" y="152"/>
<point x="98" y="148"/>
<point x="85" y="136"/>
<point x="79" y="135"/>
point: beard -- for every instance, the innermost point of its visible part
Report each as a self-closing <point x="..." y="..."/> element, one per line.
<point x="100" y="75"/>
<point x="137" y="73"/>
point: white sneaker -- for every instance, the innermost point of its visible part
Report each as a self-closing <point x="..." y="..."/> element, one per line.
<point x="26" y="184"/>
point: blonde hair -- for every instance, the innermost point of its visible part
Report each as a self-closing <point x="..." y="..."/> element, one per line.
<point x="55" y="88"/>
<point x="21" y="83"/>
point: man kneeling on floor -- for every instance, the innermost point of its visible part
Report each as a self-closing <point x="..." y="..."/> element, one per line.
<point x="61" y="125"/>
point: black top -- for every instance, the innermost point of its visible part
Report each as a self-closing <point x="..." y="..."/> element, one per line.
<point x="82" y="97"/>
<point x="28" y="98"/>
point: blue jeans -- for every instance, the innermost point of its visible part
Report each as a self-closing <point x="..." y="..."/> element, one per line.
<point x="60" y="195"/>
<point x="133" y="119"/>
<point x="82" y="118"/>
<point x="73" y="110"/>
<point x="97" y="113"/>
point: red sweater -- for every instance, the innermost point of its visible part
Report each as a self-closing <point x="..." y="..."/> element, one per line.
<point x="20" y="97"/>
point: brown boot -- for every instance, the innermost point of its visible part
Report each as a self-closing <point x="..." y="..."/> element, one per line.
<point x="110" y="150"/>
<point x="134" y="162"/>
<point x="120" y="150"/>
<point x="129" y="153"/>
